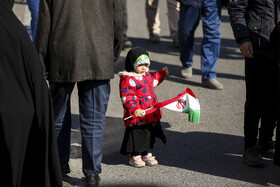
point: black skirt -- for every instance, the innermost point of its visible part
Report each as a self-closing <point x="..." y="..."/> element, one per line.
<point x="141" y="138"/>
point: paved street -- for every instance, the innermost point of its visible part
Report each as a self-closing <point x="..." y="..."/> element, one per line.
<point x="204" y="154"/>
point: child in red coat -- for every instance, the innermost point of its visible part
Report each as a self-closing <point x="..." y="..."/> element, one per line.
<point x="137" y="94"/>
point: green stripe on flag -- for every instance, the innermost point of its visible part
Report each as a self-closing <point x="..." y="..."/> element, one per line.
<point x="194" y="115"/>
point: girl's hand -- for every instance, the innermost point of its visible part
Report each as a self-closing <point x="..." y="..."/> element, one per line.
<point x="165" y="69"/>
<point x="139" y="113"/>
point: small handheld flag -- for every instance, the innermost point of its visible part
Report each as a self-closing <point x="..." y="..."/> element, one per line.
<point x="185" y="102"/>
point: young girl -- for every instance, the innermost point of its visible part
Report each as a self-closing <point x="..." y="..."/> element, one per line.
<point x="137" y="94"/>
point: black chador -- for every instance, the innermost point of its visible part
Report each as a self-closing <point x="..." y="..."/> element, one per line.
<point x="28" y="152"/>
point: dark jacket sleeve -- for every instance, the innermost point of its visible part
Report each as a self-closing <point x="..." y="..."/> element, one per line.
<point x="237" y="11"/>
<point x="118" y="29"/>
<point x="42" y="34"/>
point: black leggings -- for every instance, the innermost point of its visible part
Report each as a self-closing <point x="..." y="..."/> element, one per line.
<point x="137" y="153"/>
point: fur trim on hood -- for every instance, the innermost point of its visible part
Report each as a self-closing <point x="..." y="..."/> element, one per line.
<point x="133" y="74"/>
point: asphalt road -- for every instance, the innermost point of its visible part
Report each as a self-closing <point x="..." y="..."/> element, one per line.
<point x="204" y="154"/>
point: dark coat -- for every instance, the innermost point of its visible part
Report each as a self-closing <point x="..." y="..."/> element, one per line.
<point x="29" y="155"/>
<point x="254" y="21"/>
<point x="79" y="40"/>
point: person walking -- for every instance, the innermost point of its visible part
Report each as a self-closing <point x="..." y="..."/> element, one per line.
<point x="78" y="43"/>
<point x="29" y="155"/>
<point x="210" y="13"/>
<point x="253" y="23"/>
<point x="153" y="21"/>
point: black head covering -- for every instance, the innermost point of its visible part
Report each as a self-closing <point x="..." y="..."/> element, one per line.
<point x="132" y="55"/>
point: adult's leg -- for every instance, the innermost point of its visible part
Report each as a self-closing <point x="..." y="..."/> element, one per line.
<point x="61" y="93"/>
<point x="257" y="106"/>
<point x="124" y="2"/>
<point x="253" y="112"/>
<point x="173" y="8"/>
<point x="269" y="76"/>
<point x="210" y="49"/>
<point x="93" y="102"/>
<point x="188" y="22"/>
<point x="33" y="6"/>
<point x="152" y="15"/>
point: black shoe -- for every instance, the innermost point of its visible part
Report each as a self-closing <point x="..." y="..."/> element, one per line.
<point x="267" y="150"/>
<point x="175" y="43"/>
<point x="92" y="180"/>
<point x="276" y="161"/>
<point x="65" y="169"/>
<point x="154" y="38"/>
<point x="251" y="157"/>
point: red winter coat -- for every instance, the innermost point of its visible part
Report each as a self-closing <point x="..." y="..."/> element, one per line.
<point x="137" y="92"/>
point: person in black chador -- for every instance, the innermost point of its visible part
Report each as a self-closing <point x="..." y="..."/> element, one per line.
<point x="28" y="147"/>
<point x="253" y="23"/>
<point x="277" y="143"/>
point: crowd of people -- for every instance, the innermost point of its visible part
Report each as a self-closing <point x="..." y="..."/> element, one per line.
<point x="69" y="49"/>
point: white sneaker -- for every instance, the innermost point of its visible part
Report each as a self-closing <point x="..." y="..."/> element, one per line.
<point x="213" y="84"/>
<point x="186" y="72"/>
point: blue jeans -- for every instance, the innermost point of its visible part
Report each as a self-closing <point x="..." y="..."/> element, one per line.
<point x="93" y="102"/>
<point x="210" y="14"/>
<point x="33" y="6"/>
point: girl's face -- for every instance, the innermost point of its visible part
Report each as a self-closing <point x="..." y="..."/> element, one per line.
<point x="141" y="68"/>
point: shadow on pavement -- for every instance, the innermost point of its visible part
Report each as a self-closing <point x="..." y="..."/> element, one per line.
<point x="227" y="49"/>
<point x="73" y="181"/>
<point x="204" y="152"/>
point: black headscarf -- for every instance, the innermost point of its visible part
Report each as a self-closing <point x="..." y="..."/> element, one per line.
<point x="29" y="155"/>
<point x="132" y="55"/>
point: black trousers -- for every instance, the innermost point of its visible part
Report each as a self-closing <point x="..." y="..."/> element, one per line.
<point x="261" y="77"/>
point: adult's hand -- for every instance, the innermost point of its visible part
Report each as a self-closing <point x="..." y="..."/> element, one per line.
<point x="247" y="49"/>
<point x="46" y="74"/>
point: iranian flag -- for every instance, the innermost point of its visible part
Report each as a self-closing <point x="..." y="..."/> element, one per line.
<point x="185" y="102"/>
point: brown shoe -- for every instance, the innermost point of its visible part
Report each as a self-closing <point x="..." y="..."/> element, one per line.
<point x="251" y="157"/>
<point x="154" y="38"/>
<point x="267" y="150"/>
